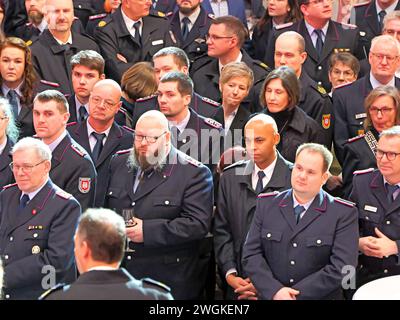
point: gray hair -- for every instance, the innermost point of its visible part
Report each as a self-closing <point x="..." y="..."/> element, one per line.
<point x="317" y="148"/>
<point x="42" y="149"/>
<point x="391" y="132"/>
<point x="395" y="15"/>
<point x="180" y="56"/>
<point x="385" y="38"/>
<point x="12" y="129"/>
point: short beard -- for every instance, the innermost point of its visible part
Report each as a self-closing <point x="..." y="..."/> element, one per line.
<point x="157" y="162"/>
<point x="36" y="17"/>
<point x="188" y="11"/>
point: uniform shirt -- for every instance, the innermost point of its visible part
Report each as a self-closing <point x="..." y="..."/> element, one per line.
<point x="238" y="59"/>
<point x="220" y="7"/>
<point x="375" y="83"/>
<point x="313" y="35"/>
<point x="42" y="26"/>
<point x="228" y="121"/>
<point x="78" y="105"/>
<point x="32" y="194"/>
<point x="92" y="139"/>
<point x="180" y="125"/>
<point x="69" y="41"/>
<point x="130" y="24"/>
<point x="17" y="90"/>
<point x="388" y="10"/>
<point x="268" y="174"/>
<point x="56" y="142"/>
<point x="305" y="205"/>
<point x="102" y="268"/>
<point x="3" y="145"/>
<point x="193" y="17"/>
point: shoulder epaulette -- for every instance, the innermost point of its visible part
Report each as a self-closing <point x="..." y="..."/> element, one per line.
<point x="361" y="4"/>
<point x="211" y="16"/>
<point x="57" y="287"/>
<point x="125" y="151"/>
<point x="49" y="83"/>
<point x="267" y="194"/>
<point x="122" y="110"/>
<point x="352" y="26"/>
<point x="29" y="43"/>
<point x="321" y="90"/>
<point x="345" y="202"/>
<point x="357" y="172"/>
<point x="98" y="16"/>
<point x="210" y="101"/>
<point x="213" y="123"/>
<point x="168" y="14"/>
<point x="102" y="24"/>
<point x="262" y="65"/>
<point x="28" y="24"/>
<point x="9" y="185"/>
<point x="76" y="18"/>
<point x="236" y="164"/>
<point x="129" y="129"/>
<point x="70" y="124"/>
<point x="63" y="194"/>
<point x="192" y="161"/>
<point x="343" y="85"/>
<point x="284" y="25"/>
<point x="157" y="14"/>
<point x="355" y="138"/>
<point x="76" y="149"/>
<point x="146" y="98"/>
<point x="157" y="284"/>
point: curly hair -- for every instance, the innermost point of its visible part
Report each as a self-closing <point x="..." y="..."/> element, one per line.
<point x="29" y="75"/>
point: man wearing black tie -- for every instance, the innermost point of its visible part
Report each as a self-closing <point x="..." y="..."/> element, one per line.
<point x="99" y="134"/>
<point x="376" y="193"/>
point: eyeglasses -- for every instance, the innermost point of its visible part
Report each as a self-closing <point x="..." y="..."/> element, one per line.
<point x="319" y="2"/>
<point x="389" y="155"/>
<point x="3" y="118"/>
<point x="380" y="57"/>
<point x="346" y="73"/>
<point x="107" y="103"/>
<point x="25" y="168"/>
<point x="214" y="37"/>
<point x="384" y="110"/>
<point x="149" y="139"/>
<point x="391" y="32"/>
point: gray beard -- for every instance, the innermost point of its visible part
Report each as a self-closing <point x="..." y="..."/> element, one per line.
<point x="157" y="162"/>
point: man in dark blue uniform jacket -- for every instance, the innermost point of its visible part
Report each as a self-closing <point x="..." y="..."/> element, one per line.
<point x="301" y="239"/>
<point x="37" y="223"/>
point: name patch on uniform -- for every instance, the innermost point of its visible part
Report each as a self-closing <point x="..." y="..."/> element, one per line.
<point x="370" y="208"/>
<point x="84" y="185"/>
<point x="157" y="42"/>
<point x="361" y="115"/>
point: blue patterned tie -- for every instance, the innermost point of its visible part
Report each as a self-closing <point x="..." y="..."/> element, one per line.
<point x="259" y="186"/>
<point x="136" y="26"/>
<point x="99" y="145"/>
<point x="382" y="15"/>
<point x="82" y="114"/>
<point x="319" y="44"/>
<point x="185" y="28"/>
<point x="13" y="98"/>
<point x="298" y="210"/>
<point x="23" y="201"/>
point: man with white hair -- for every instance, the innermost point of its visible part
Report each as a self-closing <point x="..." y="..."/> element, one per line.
<point x="348" y="101"/>
<point x="99" y="134"/>
<point x="170" y="198"/>
<point x="37" y="223"/>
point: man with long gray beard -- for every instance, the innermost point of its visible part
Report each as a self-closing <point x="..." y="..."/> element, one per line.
<point x="169" y="197"/>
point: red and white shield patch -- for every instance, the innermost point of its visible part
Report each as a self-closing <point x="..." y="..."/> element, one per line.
<point x="326" y="121"/>
<point x="84" y="185"/>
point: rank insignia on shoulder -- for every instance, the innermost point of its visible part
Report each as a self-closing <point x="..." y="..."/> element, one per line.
<point x="9" y="185"/>
<point x="76" y="149"/>
<point x="70" y="124"/>
<point x="193" y="161"/>
<point x="156" y="283"/>
<point x="28" y="43"/>
<point x="211" y="16"/>
<point x="345" y="202"/>
<point x="146" y="98"/>
<point x="267" y="194"/>
<point x="210" y="101"/>
<point x="356" y="138"/>
<point x="49" y="83"/>
<point x="161" y="14"/>
<point x="168" y="14"/>
<point x="321" y="90"/>
<point x="236" y="164"/>
<point x="283" y="25"/>
<point x="98" y="16"/>
<point x="57" y="287"/>
<point x="199" y="40"/>
<point x="129" y="129"/>
<point x="213" y="123"/>
<point x="263" y="65"/>
<point x="84" y="184"/>
<point x="63" y="194"/>
<point x="326" y="121"/>
<point x="35" y="227"/>
<point x="102" y="24"/>
<point x="348" y="25"/>
<point x="124" y="151"/>
<point x="357" y="172"/>
<point x="337" y="50"/>
<point x="171" y="34"/>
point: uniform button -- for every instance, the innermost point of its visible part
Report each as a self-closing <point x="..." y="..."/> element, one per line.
<point x="129" y="257"/>
<point x="292" y="262"/>
<point x="268" y="235"/>
<point x="166" y="202"/>
<point x="164" y="177"/>
<point x="198" y="49"/>
<point x="79" y="6"/>
<point x="184" y="140"/>
<point x="388" y="222"/>
<point x="7" y="296"/>
<point x="177" y="260"/>
<point x="11" y="238"/>
<point x="385" y="271"/>
<point x="133" y="203"/>
<point x="35" y="235"/>
<point x="6" y="257"/>
<point x="366" y="218"/>
<point x="319" y="82"/>
<point x="110" y="193"/>
<point x="319" y="241"/>
<point x="319" y="67"/>
<point x="294" y="245"/>
<point x="291" y="280"/>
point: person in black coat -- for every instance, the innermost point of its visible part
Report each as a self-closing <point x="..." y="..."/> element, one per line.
<point x="382" y="107"/>
<point x="52" y="51"/>
<point x="18" y="82"/>
<point x="239" y="186"/>
<point x="279" y="96"/>
<point x="99" y="248"/>
<point x="8" y="136"/>
<point x="37" y="223"/>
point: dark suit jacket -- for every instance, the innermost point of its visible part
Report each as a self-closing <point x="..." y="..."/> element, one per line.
<point x="114" y="38"/>
<point x="165" y="5"/>
<point x="6" y="175"/>
<point x="235" y="209"/>
<point x="119" y="138"/>
<point x="236" y="8"/>
<point x="175" y="204"/>
<point x="37" y="236"/>
<point x="308" y="256"/>
<point x="109" y="285"/>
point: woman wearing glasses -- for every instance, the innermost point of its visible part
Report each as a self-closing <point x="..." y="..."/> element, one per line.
<point x="382" y="109"/>
<point x="8" y="136"/>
